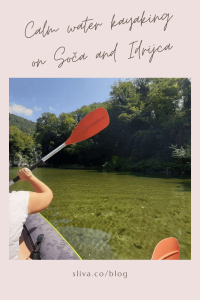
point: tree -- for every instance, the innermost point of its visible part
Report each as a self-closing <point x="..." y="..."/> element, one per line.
<point x="182" y="153"/>
<point x="21" y="146"/>
<point x="24" y="125"/>
<point x="147" y="115"/>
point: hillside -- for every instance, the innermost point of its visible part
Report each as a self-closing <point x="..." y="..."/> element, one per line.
<point x="23" y="124"/>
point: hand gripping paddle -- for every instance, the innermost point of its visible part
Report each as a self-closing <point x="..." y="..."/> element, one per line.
<point x="90" y="125"/>
<point x="167" y="249"/>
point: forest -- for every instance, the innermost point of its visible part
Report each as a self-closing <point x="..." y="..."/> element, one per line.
<point x="23" y="124"/>
<point x="150" y="130"/>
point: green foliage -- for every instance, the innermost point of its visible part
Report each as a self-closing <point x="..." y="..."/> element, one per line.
<point x="154" y="165"/>
<point x="23" y="124"/>
<point x="163" y="98"/>
<point x="181" y="153"/>
<point x="148" y="116"/>
<point x="151" y="164"/>
<point x="21" y="146"/>
<point x="119" y="164"/>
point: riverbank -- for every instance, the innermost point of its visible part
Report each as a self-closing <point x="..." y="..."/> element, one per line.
<point x="128" y="165"/>
<point x="147" y="165"/>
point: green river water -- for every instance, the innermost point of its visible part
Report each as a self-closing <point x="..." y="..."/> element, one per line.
<point x="116" y="215"/>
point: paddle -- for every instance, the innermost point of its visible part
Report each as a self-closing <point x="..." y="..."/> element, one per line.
<point x="167" y="249"/>
<point x="90" y="125"/>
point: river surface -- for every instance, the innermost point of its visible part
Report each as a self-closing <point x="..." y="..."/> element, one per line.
<point x="116" y="215"/>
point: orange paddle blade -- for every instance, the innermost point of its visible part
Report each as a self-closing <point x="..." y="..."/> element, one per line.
<point x="167" y="249"/>
<point x="90" y="125"/>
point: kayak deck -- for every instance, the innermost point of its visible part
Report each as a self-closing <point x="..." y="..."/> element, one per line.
<point x="53" y="246"/>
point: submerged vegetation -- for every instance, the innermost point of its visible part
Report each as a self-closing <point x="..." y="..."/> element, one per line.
<point x="150" y="129"/>
<point x="117" y="215"/>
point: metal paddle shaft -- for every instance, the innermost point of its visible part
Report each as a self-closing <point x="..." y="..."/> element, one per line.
<point x="39" y="163"/>
<point x="90" y="125"/>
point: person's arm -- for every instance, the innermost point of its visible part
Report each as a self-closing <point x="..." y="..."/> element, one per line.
<point x="43" y="196"/>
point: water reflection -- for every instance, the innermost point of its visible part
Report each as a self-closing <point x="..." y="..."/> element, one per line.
<point x="185" y="186"/>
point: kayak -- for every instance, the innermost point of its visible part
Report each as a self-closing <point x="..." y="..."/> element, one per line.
<point x="53" y="246"/>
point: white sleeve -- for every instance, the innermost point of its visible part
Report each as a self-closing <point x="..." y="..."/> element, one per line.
<point x="24" y="200"/>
